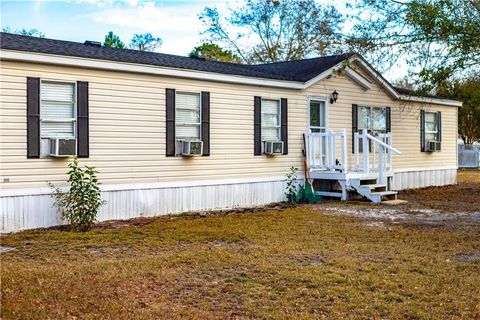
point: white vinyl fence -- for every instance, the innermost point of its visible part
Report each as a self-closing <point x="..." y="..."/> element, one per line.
<point x="468" y="156"/>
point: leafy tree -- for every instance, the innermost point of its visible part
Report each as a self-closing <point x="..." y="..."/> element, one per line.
<point x="145" y="42"/>
<point x="274" y="30"/>
<point x="113" y="41"/>
<point x="212" y="51"/>
<point x="438" y="39"/>
<point x="468" y="91"/>
<point x="405" y="83"/>
<point x="25" y="32"/>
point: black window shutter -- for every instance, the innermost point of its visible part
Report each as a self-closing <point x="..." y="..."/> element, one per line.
<point x="439" y="126"/>
<point x="206" y="122"/>
<point x="257" y="125"/>
<point x="83" y="149"/>
<point x="354" y="124"/>
<point x="284" y="124"/>
<point x="33" y="117"/>
<point x="422" y="130"/>
<point x="170" y="116"/>
<point x="388" y="119"/>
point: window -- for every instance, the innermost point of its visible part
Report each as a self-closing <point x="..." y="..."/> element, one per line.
<point x="372" y="119"/>
<point x="187" y="116"/>
<point x="318" y="116"/>
<point x="271" y="120"/>
<point x="57" y="110"/>
<point x="431" y="126"/>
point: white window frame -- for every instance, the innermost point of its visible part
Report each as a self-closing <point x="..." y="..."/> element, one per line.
<point x="199" y="124"/>
<point x="435" y="132"/>
<point x="279" y="126"/>
<point x="319" y="99"/>
<point x="74" y="119"/>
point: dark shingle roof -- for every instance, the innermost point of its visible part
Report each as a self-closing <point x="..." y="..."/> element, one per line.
<point x="304" y="70"/>
<point x="301" y="70"/>
<point x="410" y="92"/>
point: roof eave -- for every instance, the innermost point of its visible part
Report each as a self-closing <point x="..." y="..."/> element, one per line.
<point x="447" y="102"/>
<point x="142" y="68"/>
<point x="6" y="54"/>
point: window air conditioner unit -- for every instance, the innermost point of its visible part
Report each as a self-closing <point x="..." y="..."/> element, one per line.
<point x="273" y="147"/>
<point x="432" y="146"/>
<point x="63" y="147"/>
<point x="191" y="148"/>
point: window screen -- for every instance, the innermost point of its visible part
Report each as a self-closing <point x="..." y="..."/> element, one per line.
<point x="431" y="126"/>
<point x="372" y="119"/>
<point x="271" y="120"/>
<point x="57" y="110"/>
<point x="187" y="116"/>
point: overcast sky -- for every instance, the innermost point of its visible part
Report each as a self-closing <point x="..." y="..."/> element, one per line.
<point x="176" y="22"/>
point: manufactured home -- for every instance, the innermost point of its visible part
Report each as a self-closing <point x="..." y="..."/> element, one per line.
<point x="172" y="134"/>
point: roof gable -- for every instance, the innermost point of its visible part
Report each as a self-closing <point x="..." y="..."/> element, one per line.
<point x="306" y="69"/>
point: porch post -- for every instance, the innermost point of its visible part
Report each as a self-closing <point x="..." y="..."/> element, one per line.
<point x="344" y="150"/>
<point x="366" y="155"/>
<point x="380" y="163"/>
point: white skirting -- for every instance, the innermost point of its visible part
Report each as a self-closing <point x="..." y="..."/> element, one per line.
<point x="33" y="209"/>
<point x="420" y="178"/>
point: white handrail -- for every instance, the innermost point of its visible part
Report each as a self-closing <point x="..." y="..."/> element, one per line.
<point x="380" y="142"/>
<point x="376" y="154"/>
<point x="369" y="155"/>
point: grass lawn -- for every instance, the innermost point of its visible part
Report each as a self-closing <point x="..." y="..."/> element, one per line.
<point x="290" y="263"/>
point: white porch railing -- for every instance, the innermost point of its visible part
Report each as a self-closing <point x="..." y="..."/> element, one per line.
<point x="321" y="150"/>
<point x="376" y="152"/>
<point x="328" y="151"/>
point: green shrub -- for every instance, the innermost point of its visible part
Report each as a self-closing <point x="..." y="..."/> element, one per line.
<point x="292" y="184"/>
<point x="80" y="204"/>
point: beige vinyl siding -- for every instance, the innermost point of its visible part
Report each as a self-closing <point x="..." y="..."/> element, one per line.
<point x="127" y="127"/>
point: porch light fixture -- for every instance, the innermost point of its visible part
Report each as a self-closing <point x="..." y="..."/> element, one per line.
<point x="334" y="97"/>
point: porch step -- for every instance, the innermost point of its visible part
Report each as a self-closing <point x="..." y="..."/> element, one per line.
<point x="373" y="191"/>
<point x="386" y="195"/>
<point x="367" y="182"/>
<point x="375" y="187"/>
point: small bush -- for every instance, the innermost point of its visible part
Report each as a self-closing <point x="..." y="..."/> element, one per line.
<point x="291" y="188"/>
<point x="80" y="204"/>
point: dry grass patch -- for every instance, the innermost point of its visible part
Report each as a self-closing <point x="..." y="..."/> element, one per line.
<point x="295" y="263"/>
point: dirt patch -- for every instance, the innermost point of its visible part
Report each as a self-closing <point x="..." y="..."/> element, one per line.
<point x="143" y="221"/>
<point x="378" y="215"/>
<point x="306" y="259"/>
<point x="471" y="257"/>
<point x="4" y="249"/>
<point x="375" y="224"/>
<point x="462" y="197"/>
<point x="115" y="224"/>
<point x="110" y="250"/>
<point x="455" y="206"/>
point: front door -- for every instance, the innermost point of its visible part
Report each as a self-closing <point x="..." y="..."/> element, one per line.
<point x="317" y="122"/>
<point x="318" y="115"/>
